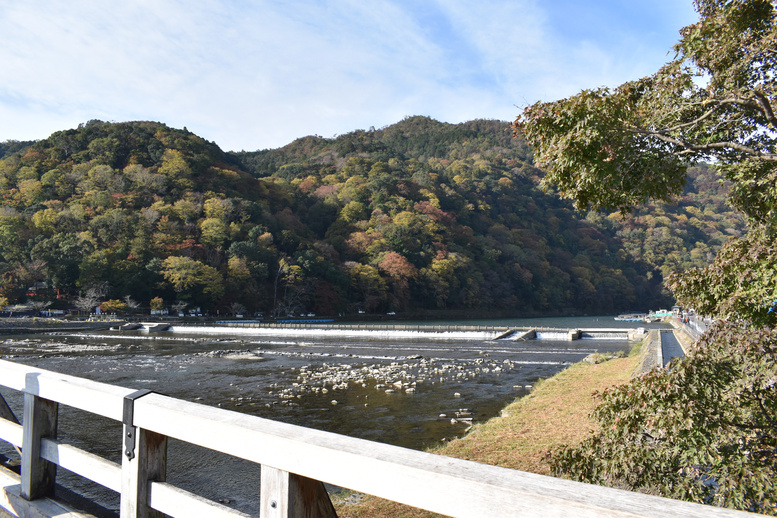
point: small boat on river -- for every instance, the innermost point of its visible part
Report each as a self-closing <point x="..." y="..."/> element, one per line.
<point x="631" y="317"/>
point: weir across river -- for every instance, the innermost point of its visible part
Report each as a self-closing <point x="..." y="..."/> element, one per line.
<point x="393" y="331"/>
<point x="554" y="333"/>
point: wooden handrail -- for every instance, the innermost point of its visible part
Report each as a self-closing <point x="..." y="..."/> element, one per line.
<point x="304" y="458"/>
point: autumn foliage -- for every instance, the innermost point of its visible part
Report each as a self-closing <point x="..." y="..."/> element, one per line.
<point x="417" y="216"/>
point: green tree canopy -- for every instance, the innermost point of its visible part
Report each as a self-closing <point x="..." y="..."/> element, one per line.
<point x="704" y="430"/>
<point x="615" y="148"/>
<point x="190" y="277"/>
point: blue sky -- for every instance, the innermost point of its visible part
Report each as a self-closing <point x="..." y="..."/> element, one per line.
<point x="258" y="74"/>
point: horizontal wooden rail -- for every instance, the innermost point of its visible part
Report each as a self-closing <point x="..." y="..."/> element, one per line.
<point x="94" y="397"/>
<point x="11" y="432"/>
<point x="437" y="483"/>
<point x="171" y="500"/>
<point x="83" y="463"/>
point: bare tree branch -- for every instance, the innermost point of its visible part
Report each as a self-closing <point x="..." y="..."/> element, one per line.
<point x="713" y="147"/>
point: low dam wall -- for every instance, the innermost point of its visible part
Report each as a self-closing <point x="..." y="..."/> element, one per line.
<point x="390" y="332"/>
<point x="553" y="333"/>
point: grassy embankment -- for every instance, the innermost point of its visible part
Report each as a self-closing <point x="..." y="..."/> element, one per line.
<point x="556" y="412"/>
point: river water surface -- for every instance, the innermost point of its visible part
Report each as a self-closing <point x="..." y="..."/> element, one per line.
<point x="407" y="392"/>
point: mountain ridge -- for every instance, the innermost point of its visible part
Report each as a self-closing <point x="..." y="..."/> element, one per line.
<point x="417" y="216"/>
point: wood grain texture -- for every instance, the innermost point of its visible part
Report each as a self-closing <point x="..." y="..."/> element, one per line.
<point x="11" y="432"/>
<point x="80" y="462"/>
<point x="287" y="495"/>
<point x="40" y="421"/>
<point x="94" y="397"/>
<point x="149" y="464"/>
<point x="176" y="502"/>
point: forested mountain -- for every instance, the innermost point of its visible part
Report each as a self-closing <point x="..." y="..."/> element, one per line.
<point x="419" y="215"/>
<point x="11" y="146"/>
<point x="686" y="234"/>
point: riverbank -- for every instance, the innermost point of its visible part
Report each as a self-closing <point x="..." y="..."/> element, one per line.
<point x="555" y="413"/>
<point x="31" y="325"/>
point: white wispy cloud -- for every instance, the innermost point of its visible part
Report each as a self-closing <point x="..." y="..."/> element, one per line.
<point x="252" y="75"/>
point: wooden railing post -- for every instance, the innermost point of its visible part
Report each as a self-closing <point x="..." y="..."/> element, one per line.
<point x="143" y="460"/>
<point x="39" y="421"/>
<point x="287" y="495"/>
<point x="149" y="464"/>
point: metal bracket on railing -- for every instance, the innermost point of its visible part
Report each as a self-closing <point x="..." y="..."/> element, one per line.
<point x="129" y="427"/>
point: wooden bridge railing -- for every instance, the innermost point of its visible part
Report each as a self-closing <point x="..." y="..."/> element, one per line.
<point x="295" y="461"/>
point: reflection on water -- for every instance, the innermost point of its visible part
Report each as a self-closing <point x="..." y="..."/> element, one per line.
<point x="406" y="393"/>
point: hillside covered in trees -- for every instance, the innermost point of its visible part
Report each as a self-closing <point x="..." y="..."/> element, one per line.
<point x="420" y="215"/>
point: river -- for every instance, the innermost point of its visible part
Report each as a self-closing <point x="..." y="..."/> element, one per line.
<point x="407" y="392"/>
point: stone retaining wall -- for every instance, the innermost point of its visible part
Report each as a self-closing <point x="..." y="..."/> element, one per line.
<point x="649" y="357"/>
<point x="31" y="326"/>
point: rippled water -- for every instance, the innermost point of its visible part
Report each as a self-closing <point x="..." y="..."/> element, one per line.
<point x="405" y="392"/>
